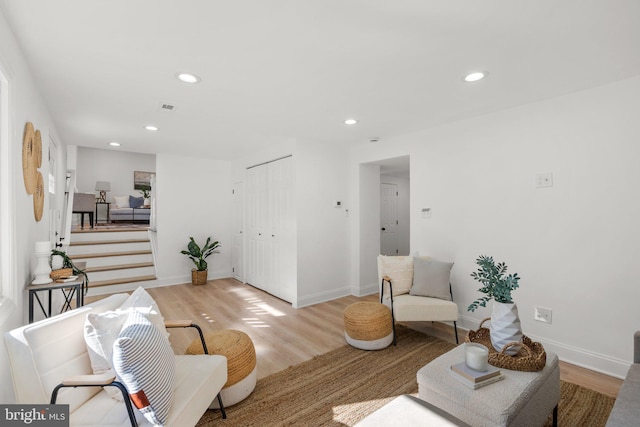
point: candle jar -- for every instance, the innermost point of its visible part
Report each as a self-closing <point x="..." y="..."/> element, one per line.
<point x="476" y="356"/>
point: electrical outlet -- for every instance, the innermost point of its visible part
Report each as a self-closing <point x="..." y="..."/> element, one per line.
<point x="544" y="180"/>
<point x="542" y="315"/>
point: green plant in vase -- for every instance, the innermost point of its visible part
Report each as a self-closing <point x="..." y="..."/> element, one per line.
<point x="497" y="285"/>
<point x="68" y="263"/>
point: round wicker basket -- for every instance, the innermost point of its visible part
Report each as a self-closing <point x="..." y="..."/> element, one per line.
<point x="367" y="321"/>
<point x="61" y="273"/>
<point x="531" y="356"/>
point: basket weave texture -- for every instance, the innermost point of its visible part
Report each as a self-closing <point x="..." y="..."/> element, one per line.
<point x="530" y="358"/>
<point x="236" y="346"/>
<point x="59" y="274"/>
<point x="367" y="321"/>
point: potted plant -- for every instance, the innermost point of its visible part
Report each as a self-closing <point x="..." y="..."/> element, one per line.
<point x="146" y="194"/>
<point x="59" y="260"/>
<point x="497" y="285"/>
<point x="198" y="256"/>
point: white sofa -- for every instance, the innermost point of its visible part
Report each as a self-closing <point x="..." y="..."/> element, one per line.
<point x="43" y="354"/>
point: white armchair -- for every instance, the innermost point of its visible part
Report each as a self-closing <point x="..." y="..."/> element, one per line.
<point x="417" y="289"/>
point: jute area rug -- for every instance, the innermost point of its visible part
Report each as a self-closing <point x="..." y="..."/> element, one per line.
<point x="345" y="385"/>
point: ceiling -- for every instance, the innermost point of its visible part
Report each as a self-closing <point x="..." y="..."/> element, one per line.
<point x="277" y="70"/>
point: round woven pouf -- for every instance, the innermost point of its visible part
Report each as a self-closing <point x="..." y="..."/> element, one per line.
<point x="367" y="325"/>
<point x="238" y="348"/>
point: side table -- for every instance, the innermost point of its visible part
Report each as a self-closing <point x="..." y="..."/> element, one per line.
<point x="108" y="210"/>
<point x="69" y="290"/>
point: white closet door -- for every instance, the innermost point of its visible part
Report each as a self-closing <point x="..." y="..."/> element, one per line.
<point x="238" y="232"/>
<point x="271" y="229"/>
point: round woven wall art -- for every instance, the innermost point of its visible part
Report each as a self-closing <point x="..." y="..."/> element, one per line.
<point x="29" y="168"/>
<point x="38" y="197"/>
<point x="37" y="149"/>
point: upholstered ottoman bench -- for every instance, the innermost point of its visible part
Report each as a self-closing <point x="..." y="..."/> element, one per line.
<point x="521" y="399"/>
<point x="368" y="325"/>
<point x="238" y="348"/>
<point x="405" y="411"/>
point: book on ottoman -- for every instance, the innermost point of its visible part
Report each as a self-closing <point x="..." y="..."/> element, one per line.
<point x="475" y="379"/>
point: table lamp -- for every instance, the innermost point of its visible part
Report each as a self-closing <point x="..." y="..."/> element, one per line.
<point x="103" y="187"/>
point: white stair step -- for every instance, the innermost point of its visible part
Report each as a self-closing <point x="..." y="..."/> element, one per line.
<point x="121" y="273"/>
<point x="86" y="250"/>
<point x="109" y="242"/>
<point x="102" y="261"/>
<point x="108" y="235"/>
<point x="121" y="281"/>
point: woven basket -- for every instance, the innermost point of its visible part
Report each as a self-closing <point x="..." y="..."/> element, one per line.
<point x="530" y="358"/>
<point x="62" y="273"/>
<point x="367" y="321"/>
<point x="236" y="346"/>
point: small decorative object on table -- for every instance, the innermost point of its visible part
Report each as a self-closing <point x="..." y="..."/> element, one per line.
<point x="505" y="323"/>
<point x="198" y="256"/>
<point x="65" y="268"/>
<point x="475" y="379"/>
<point x="530" y="357"/>
<point x="42" y="268"/>
<point x="476" y="356"/>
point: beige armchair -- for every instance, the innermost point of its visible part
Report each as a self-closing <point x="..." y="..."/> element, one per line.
<point x="84" y="203"/>
<point x="417" y="289"/>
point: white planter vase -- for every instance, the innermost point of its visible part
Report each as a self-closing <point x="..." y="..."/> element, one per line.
<point x="57" y="262"/>
<point x="505" y="327"/>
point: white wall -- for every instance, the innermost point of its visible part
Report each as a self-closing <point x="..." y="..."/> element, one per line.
<point x="574" y="245"/>
<point x="25" y="105"/>
<point x="323" y="251"/>
<point x="403" y="231"/>
<point x="112" y="165"/>
<point x="193" y="198"/>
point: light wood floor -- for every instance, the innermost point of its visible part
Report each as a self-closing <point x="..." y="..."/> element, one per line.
<point x="284" y="336"/>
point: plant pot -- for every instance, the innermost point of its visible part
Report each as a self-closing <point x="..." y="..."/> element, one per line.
<point x="505" y="327"/>
<point x="199" y="277"/>
<point x="57" y="262"/>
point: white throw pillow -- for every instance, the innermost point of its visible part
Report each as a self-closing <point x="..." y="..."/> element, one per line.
<point x="143" y="302"/>
<point x="121" y="201"/>
<point x="400" y="270"/>
<point x="144" y="363"/>
<point x="431" y="278"/>
<point x="100" y="332"/>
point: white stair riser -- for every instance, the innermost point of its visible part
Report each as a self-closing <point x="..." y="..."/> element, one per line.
<point x="115" y="260"/>
<point x="109" y="235"/>
<point x="119" y="274"/>
<point x="114" y="247"/>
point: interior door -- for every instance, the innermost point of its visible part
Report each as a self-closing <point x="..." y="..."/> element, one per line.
<point x="388" y="219"/>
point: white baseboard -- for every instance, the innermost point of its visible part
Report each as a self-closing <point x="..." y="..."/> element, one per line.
<point x="321" y="297"/>
<point x="574" y="355"/>
<point x="365" y="290"/>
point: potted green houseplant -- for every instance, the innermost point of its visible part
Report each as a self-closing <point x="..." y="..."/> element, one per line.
<point x="198" y="256"/>
<point x="60" y="259"/>
<point x="146" y="194"/>
<point x="497" y="285"/>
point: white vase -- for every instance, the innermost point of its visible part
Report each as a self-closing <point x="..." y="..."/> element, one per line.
<point x="57" y="262"/>
<point x="505" y="327"/>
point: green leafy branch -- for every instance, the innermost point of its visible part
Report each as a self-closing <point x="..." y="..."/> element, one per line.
<point x="495" y="283"/>
<point x="198" y="255"/>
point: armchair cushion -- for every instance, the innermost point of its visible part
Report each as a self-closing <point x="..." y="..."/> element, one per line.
<point x="144" y="363"/>
<point x="400" y="270"/>
<point x="431" y="278"/>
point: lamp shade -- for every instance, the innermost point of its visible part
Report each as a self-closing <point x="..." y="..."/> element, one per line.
<point x="103" y="186"/>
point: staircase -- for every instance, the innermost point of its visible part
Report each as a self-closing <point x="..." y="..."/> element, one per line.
<point x="114" y="259"/>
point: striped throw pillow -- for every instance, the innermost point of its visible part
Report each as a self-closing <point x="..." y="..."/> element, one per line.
<point x="144" y="363"/>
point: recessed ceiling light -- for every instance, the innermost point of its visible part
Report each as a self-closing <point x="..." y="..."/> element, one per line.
<point x="114" y="144"/>
<point x="474" y="77"/>
<point x="350" y="122"/>
<point x="151" y="127"/>
<point x="188" y="78"/>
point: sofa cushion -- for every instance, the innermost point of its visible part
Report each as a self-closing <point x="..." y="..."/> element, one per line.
<point x="400" y="270"/>
<point x="431" y="278"/>
<point x="143" y="302"/>
<point x="121" y="201"/>
<point x="136" y="202"/>
<point x="144" y="363"/>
